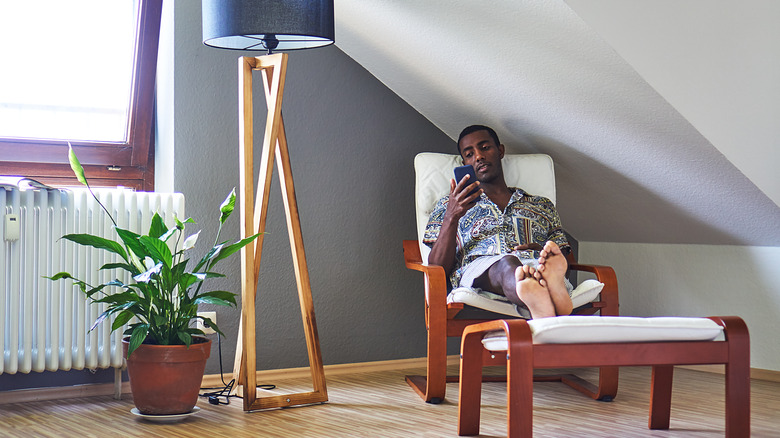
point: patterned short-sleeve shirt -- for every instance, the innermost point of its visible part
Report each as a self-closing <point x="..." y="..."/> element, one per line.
<point x="485" y="230"/>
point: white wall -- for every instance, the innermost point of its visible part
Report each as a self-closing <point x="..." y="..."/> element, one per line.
<point x="699" y="280"/>
<point x="715" y="61"/>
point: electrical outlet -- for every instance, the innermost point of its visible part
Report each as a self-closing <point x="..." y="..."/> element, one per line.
<point x="199" y="324"/>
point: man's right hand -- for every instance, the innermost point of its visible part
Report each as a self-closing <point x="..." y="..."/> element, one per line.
<point x="461" y="197"/>
<point x="460" y="201"/>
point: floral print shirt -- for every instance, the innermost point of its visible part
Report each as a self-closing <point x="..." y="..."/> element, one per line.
<point x="486" y="231"/>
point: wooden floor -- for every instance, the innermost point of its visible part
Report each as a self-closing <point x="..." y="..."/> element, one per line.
<point x="380" y="404"/>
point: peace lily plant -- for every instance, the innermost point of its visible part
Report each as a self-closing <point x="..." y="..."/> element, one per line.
<point x="164" y="295"/>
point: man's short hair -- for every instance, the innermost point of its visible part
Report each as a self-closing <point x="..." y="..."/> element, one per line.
<point x="474" y="128"/>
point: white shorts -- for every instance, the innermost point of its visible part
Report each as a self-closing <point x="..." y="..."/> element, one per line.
<point x="479" y="266"/>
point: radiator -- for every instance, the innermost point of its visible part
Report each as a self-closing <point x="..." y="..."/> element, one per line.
<point x="44" y="324"/>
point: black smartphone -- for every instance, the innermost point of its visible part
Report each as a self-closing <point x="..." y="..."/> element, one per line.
<point x="462" y="171"/>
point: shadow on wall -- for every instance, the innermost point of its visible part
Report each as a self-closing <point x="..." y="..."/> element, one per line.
<point x="615" y="208"/>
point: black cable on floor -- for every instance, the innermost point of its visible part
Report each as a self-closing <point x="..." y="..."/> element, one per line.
<point x="214" y="396"/>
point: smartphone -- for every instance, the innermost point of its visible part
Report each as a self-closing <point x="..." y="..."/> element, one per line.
<point x="462" y="171"/>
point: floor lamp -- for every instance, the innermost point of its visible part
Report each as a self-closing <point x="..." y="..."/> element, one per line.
<point x="269" y="25"/>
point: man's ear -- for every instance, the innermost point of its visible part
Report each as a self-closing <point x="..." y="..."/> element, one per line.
<point x="501" y="149"/>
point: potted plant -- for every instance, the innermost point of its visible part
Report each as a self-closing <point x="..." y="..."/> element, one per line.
<point x="166" y="357"/>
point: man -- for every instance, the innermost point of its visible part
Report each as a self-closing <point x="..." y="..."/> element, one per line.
<point x="486" y="239"/>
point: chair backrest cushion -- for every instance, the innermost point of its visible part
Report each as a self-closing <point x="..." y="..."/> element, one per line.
<point x="533" y="173"/>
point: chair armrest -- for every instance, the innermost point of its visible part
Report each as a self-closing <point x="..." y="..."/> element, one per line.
<point x="609" y="294"/>
<point x="435" y="281"/>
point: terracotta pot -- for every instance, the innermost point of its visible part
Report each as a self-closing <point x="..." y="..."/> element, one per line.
<point x="165" y="379"/>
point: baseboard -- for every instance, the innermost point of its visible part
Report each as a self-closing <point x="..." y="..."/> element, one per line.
<point x="60" y="392"/>
<point x="212" y="380"/>
<point x="755" y="373"/>
<point x="215" y="380"/>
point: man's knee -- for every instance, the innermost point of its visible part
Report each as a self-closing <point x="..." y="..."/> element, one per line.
<point x="508" y="262"/>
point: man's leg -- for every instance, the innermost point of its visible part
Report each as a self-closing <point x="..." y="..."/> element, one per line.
<point x="551" y="273"/>
<point x="518" y="283"/>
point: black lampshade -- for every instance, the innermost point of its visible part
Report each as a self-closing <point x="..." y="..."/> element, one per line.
<point x="268" y="24"/>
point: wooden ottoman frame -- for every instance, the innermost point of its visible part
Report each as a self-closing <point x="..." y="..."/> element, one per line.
<point x="522" y="356"/>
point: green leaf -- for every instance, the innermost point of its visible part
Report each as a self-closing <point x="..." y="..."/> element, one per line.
<point x="97" y="242"/>
<point x="209" y="323"/>
<point x="82" y="286"/>
<point x="168" y="234"/>
<point x="209" y="255"/>
<point x="59" y="276"/>
<point x="122" y="298"/>
<point x="212" y="300"/>
<point x="157" y="249"/>
<point x="127" y="267"/>
<point x="122" y="319"/>
<point x="94" y="290"/>
<point x="137" y="337"/>
<point x="187" y="280"/>
<point x="131" y="240"/>
<point x="214" y="275"/>
<point x="227" y="251"/>
<point x="99" y="319"/>
<point x="219" y="297"/>
<point x="216" y="329"/>
<point x="179" y="269"/>
<point x="158" y="227"/>
<point x="76" y="166"/>
<point x="111" y="310"/>
<point x="184" y="337"/>
<point x="228" y="205"/>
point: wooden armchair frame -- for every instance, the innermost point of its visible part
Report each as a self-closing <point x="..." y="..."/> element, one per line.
<point x="441" y="323"/>
<point x="523" y="356"/>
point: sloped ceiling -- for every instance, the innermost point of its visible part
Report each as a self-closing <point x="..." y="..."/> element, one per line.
<point x="630" y="166"/>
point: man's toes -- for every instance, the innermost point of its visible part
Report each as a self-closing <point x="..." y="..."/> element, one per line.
<point x="552" y="248"/>
<point x="519" y="274"/>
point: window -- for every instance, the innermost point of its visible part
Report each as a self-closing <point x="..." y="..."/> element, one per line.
<point x="82" y="72"/>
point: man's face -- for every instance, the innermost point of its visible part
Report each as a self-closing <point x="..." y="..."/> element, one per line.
<point x="479" y="150"/>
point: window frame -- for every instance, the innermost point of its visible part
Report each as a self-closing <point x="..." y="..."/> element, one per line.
<point x="128" y="164"/>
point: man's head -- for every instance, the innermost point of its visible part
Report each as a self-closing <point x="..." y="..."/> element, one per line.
<point x="474" y="128"/>
<point x="479" y="146"/>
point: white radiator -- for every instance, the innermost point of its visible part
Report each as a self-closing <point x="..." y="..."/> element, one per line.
<point x="43" y="324"/>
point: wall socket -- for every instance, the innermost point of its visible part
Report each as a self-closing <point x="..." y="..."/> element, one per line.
<point x="199" y="323"/>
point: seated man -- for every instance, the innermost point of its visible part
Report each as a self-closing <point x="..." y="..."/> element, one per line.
<point x="488" y="239"/>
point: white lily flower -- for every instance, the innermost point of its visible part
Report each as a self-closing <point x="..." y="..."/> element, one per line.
<point x="189" y="243"/>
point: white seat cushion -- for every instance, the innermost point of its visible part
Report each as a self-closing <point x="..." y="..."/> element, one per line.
<point x="576" y="329"/>
<point x="586" y="292"/>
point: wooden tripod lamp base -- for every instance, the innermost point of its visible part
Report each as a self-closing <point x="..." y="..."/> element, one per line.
<point x="253" y="220"/>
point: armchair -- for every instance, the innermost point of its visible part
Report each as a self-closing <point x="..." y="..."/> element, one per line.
<point x="535" y="174"/>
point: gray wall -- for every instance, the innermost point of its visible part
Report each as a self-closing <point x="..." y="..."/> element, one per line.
<point x="352" y="142"/>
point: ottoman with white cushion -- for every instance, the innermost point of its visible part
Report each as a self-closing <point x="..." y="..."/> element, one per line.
<point x="594" y="341"/>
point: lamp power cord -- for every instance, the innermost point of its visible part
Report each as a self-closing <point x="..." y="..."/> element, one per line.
<point x="216" y="394"/>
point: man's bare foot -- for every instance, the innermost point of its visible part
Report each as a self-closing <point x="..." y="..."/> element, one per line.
<point x="551" y="274"/>
<point x="533" y="294"/>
